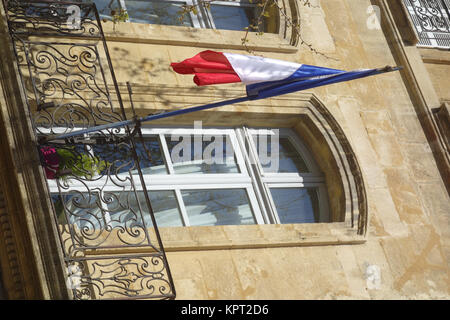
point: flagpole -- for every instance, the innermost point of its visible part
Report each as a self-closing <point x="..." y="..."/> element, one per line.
<point x="144" y="119"/>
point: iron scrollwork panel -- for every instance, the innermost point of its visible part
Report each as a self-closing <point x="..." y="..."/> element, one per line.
<point x="67" y="86"/>
<point x="101" y="203"/>
<point x="431" y="15"/>
<point x="65" y="19"/>
<point x="140" y="276"/>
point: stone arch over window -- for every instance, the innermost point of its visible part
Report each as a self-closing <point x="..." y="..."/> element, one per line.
<point x="334" y="154"/>
<point x="307" y="115"/>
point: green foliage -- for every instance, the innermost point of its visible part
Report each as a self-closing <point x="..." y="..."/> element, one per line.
<point x="79" y="164"/>
<point x="119" y="16"/>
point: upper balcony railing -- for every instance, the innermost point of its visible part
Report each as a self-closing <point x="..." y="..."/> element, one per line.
<point x="431" y="19"/>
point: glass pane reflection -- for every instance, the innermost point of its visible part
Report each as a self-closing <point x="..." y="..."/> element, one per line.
<point x="120" y="159"/>
<point x="214" y="156"/>
<point x="104" y="8"/>
<point x="157" y="12"/>
<point x="296" y="205"/>
<point x="126" y="207"/>
<point x="289" y="159"/>
<point x="218" y="207"/>
<point x="81" y="208"/>
<point x="233" y="17"/>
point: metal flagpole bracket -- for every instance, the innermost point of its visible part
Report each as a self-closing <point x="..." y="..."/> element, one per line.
<point x="390" y="68"/>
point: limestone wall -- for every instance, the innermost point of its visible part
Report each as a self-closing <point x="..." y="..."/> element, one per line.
<point x="437" y="62"/>
<point x="405" y="252"/>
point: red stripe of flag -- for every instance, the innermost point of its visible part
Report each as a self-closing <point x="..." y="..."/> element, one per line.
<point x="209" y="67"/>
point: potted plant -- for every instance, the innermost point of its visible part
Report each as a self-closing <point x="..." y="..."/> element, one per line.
<point x="67" y="161"/>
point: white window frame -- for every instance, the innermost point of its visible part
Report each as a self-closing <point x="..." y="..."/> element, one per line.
<point x="251" y="176"/>
<point x="267" y="180"/>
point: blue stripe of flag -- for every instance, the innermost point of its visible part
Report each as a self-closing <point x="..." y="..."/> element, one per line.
<point x="275" y="88"/>
<point x="304" y="72"/>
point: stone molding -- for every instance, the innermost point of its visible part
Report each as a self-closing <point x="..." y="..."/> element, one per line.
<point x="403" y="21"/>
<point x="12" y="286"/>
<point x="436" y="56"/>
<point x="442" y="115"/>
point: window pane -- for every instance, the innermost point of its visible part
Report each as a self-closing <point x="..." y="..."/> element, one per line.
<point x="157" y="12"/>
<point x="128" y="208"/>
<point x="232" y="17"/>
<point x="119" y="209"/>
<point x="235" y="17"/>
<point x="150" y="155"/>
<point x="196" y="154"/>
<point x="120" y="158"/>
<point x="296" y="205"/>
<point x="165" y="208"/>
<point x="218" y="207"/>
<point x="288" y="160"/>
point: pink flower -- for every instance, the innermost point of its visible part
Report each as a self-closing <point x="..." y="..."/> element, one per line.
<point x="51" y="161"/>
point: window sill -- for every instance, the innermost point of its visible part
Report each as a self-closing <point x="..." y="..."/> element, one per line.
<point x="435" y="55"/>
<point x="184" y="36"/>
<point x="258" y="236"/>
<point x="248" y="237"/>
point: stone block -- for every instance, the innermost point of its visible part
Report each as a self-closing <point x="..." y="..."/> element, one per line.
<point x="421" y="161"/>
<point x="405" y="195"/>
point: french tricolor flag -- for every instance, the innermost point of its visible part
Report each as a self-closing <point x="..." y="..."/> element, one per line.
<point x="263" y="77"/>
<point x="211" y="67"/>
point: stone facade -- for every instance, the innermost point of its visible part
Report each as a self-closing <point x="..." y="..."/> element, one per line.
<point x="402" y="251"/>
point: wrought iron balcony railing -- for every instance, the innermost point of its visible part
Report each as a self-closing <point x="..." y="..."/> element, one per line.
<point x="108" y="232"/>
<point x="431" y="19"/>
